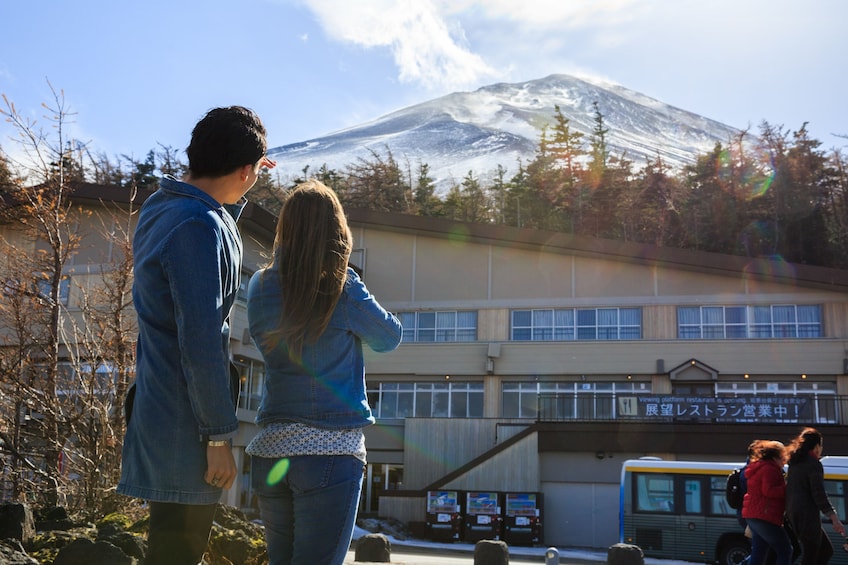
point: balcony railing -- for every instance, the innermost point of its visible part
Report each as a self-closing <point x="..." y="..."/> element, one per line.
<point x="775" y="409"/>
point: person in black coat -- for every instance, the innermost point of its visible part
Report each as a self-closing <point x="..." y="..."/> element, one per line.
<point x="806" y="498"/>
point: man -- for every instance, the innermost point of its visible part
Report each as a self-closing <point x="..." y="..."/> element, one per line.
<point x="188" y="252"/>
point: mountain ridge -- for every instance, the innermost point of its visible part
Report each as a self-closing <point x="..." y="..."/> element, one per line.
<point x="502" y="123"/>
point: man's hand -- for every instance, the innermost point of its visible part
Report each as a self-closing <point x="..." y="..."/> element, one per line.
<point x="220" y="466"/>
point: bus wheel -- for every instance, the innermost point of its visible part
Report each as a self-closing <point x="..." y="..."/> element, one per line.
<point x="733" y="551"/>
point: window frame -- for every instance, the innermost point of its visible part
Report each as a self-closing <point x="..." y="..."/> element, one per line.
<point x="575" y="324"/>
<point x="439" y="326"/>
<point x="759" y="321"/>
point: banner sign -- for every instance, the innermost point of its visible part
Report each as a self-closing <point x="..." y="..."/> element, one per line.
<point x="757" y="409"/>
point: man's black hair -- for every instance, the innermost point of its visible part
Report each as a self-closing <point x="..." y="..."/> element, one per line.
<point x="224" y="140"/>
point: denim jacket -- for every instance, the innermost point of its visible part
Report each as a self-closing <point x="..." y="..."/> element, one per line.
<point x="187" y="267"/>
<point x="326" y="390"/>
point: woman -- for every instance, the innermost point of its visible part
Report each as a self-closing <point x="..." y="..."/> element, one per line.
<point x="806" y="498"/>
<point x="309" y="314"/>
<point x="765" y="502"/>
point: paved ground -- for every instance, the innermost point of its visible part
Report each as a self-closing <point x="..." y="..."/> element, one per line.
<point x="418" y="552"/>
<point x="463" y="554"/>
<point x="414" y="558"/>
<point x="418" y="556"/>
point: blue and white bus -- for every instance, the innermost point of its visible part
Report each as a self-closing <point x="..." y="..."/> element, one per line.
<point x="678" y="510"/>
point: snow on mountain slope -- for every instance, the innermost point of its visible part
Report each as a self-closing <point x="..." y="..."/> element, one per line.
<point x="502" y="123"/>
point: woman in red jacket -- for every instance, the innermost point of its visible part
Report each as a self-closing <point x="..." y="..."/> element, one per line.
<point x="765" y="503"/>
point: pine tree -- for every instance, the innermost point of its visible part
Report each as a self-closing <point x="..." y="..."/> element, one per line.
<point x="377" y="184"/>
<point x="475" y="203"/>
<point x="654" y="217"/>
<point x="598" y="153"/>
<point x="424" y="193"/>
<point x="566" y="149"/>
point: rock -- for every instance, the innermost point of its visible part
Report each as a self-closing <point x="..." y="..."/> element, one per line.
<point x="17" y="522"/>
<point x="374" y="548"/>
<point x="108" y="529"/>
<point x="116" y="540"/>
<point x="83" y="551"/>
<point x="114" y="522"/>
<point x="235" y="545"/>
<point x="235" y="539"/>
<point x="47" y="545"/>
<point x="55" y="518"/>
<point x="131" y="544"/>
<point x="234" y="519"/>
<point x="625" y="554"/>
<point x="490" y="552"/>
<point x="12" y="553"/>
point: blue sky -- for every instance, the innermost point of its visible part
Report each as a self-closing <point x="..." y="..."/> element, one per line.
<point x="140" y="74"/>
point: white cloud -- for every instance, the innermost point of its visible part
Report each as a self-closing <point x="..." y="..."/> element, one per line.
<point x="551" y="14"/>
<point x="428" y="37"/>
<point x="426" y="49"/>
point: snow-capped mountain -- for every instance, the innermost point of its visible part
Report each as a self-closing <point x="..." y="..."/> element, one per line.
<point x="502" y="123"/>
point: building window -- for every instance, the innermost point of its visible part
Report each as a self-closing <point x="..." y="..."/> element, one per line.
<point x="575" y="400"/>
<point x="740" y="322"/>
<point x="439" y="326"/>
<point x="820" y="404"/>
<point x="577" y="324"/>
<point x="252" y="378"/>
<point x="426" y="400"/>
<point x="84" y="378"/>
<point x="44" y="288"/>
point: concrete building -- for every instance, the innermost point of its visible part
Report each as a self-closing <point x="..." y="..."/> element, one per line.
<point x="538" y="362"/>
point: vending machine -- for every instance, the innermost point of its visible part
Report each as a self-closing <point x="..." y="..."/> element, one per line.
<point x="482" y="516"/>
<point x="523" y="518"/>
<point x="444" y="515"/>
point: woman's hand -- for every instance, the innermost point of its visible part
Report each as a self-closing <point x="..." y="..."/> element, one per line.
<point x="838" y="527"/>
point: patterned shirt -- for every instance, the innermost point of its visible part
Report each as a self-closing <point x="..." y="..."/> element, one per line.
<point x="287" y="439"/>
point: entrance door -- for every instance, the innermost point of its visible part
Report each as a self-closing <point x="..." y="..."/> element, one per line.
<point x="379" y="478"/>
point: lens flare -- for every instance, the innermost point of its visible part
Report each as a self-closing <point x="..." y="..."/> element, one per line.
<point x="277" y="472"/>
<point x="744" y="178"/>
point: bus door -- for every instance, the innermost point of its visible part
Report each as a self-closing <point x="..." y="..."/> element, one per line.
<point x="692" y="539"/>
<point x="835" y="489"/>
<point x="653" y="521"/>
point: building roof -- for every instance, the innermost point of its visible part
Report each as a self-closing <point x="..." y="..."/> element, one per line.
<point x="768" y="269"/>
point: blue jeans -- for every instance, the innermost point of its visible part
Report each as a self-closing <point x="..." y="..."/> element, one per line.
<point x="309" y="513"/>
<point x="767" y="535"/>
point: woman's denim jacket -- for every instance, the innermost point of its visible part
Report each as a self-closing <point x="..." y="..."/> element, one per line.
<point x="187" y="253"/>
<point x="326" y="390"/>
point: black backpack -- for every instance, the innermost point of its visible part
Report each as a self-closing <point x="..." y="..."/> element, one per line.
<point x="734" y="493"/>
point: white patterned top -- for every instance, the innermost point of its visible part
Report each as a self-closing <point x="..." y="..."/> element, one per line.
<point x="287" y="439"/>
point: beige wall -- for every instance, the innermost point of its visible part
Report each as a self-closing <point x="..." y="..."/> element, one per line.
<point x="550" y="276"/>
<point x="606" y="359"/>
<point x="437" y="446"/>
<point x="516" y="466"/>
<point x="409" y="271"/>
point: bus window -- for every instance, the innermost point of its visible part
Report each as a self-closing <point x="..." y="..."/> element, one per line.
<point x="718" y="498"/>
<point x="836" y="493"/>
<point x="655" y="493"/>
<point x="692" y="487"/>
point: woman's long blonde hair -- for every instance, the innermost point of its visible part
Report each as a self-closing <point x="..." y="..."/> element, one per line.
<point x="311" y="252"/>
